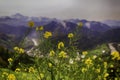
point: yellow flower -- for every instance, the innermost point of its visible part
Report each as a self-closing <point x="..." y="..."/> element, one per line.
<point x="16" y="48"/>
<point x="17" y="70"/>
<point x="19" y="50"/>
<point x="11" y="77"/>
<point x="10" y="59"/>
<point x="105" y="64"/>
<point x="99" y="77"/>
<point x="80" y="24"/>
<point x="41" y="76"/>
<point x="37" y="28"/>
<point x="52" y="53"/>
<point x="98" y="70"/>
<point x="111" y="66"/>
<point x="116" y="78"/>
<point x="84" y="52"/>
<point x="84" y="70"/>
<point x="41" y="28"/>
<point x="60" y="45"/>
<point x="106" y="75"/>
<point x="62" y="54"/>
<point x="47" y="34"/>
<point x="4" y="74"/>
<point x="88" y="62"/>
<point x="70" y="35"/>
<point x="116" y="55"/>
<point x="31" y="70"/>
<point x="31" y="24"/>
<point x="50" y="65"/>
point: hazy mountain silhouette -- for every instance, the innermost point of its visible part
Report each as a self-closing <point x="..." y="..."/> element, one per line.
<point x="91" y="32"/>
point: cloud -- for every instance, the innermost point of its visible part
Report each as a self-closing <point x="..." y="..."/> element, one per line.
<point x="63" y="9"/>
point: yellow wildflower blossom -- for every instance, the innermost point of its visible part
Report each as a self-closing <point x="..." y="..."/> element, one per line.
<point x="80" y="24"/>
<point x="98" y="70"/>
<point x="41" y="76"/>
<point x="19" y="50"/>
<point x="16" y="48"/>
<point x="50" y="65"/>
<point x="84" y="70"/>
<point x="60" y="45"/>
<point x="41" y="28"/>
<point x="62" y="54"/>
<point x="31" y="24"/>
<point x="17" y="70"/>
<point x="111" y="66"/>
<point x="70" y="35"/>
<point x="84" y="52"/>
<point x="105" y="64"/>
<point x="4" y="74"/>
<point x="99" y="77"/>
<point x="10" y="59"/>
<point x="116" y="55"/>
<point x="52" y="53"/>
<point x="106" y="75"/>
<point x="11" y="77"/>
<point x="37" y="28"/>
<point x="116" y="78"/>
<point x="47" y="34"/>
<point x="31" y="70"/>
<point x="88" y="62"/>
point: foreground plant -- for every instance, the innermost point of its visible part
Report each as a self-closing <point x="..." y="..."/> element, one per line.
<point x="61" y="62"/>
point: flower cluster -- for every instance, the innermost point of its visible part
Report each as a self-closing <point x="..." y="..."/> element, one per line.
<point x="47" y="34"/>
<point x="98" y="70"/>
<point x="10" y="59"/>
<point x="41" y="76"/>
<point x="4" y="74"/>
<point x="115" y="55"/>
<point x="31" y="24"/>
<point x="84" y="53"/>
<point x="80" y="24"/>
<point x="40" y="28"/>
<point x="17" y="70"/>
<point x="52" y="53"/>
<point x="49" y="65"/>
<point x="60" y="45"/>
<point x="62" y="54"/>
<point x="11" y="77"/>
<point x="31" y="70"/>
<point x="84" y="70"/>
<point x="70" y="35"/>
<point x="19" y="50"/>
<point x="88" y="62"/>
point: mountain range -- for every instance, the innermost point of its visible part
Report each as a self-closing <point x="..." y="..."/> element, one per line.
<point x="92" y="32"/>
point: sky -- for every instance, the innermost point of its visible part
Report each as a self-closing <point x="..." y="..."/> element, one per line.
<point x="63" y="9"/>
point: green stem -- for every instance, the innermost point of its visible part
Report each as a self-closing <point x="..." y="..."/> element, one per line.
<point x="25" y="35"/>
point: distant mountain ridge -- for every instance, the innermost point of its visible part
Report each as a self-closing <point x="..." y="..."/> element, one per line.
<point x="93" y="32"/>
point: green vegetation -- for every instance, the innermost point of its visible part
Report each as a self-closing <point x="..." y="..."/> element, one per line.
<point x="60" y="61"/>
